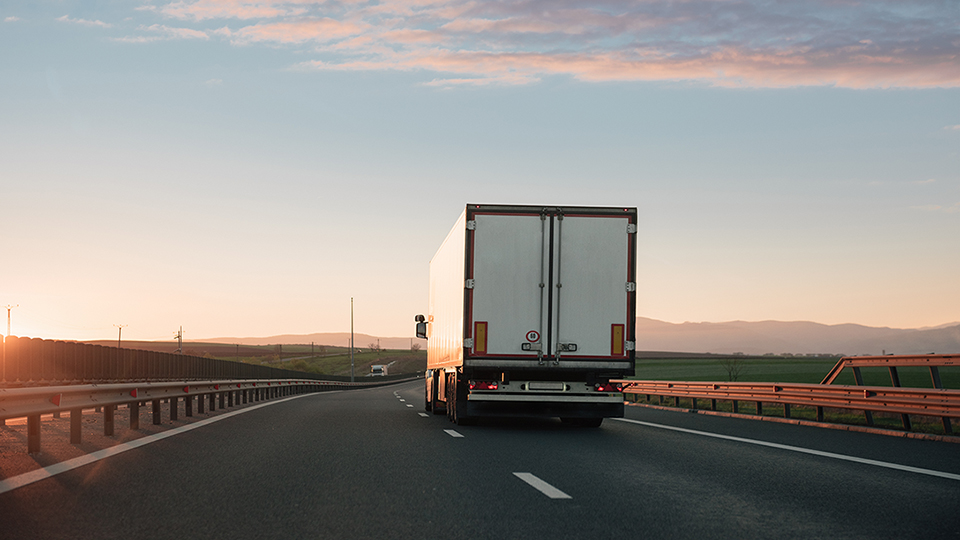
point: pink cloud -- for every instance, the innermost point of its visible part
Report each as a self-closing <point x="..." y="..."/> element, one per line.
<point x="739" y="43"/>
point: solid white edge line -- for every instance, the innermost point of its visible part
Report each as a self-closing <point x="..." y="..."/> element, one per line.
<point x="865" y="461"/>
<point x="452" y="433"/>
<point x="27" y="478"/>
<point x="542" y="486"/>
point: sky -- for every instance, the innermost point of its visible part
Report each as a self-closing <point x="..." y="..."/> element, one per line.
<point x="245" y="167"/>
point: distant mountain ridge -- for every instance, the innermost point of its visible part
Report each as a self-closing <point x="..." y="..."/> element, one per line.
<point x="798" y="337"/>
<point x="336" y="339"/>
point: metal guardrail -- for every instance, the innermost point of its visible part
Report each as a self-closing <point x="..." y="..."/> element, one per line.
<point x="905" y="401"/>
<point x="891" y="362"/>
<point x="33" y="402"/>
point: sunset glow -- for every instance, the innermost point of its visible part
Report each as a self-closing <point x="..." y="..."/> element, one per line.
<point x="244" y="168"/>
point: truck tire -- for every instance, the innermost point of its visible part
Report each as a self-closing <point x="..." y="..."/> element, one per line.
<point x="451" y="397"/>
<point x="429" y="391"/>
<point x="459" y="402"/>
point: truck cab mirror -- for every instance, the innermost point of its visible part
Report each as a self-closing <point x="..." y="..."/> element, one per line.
<point x="422" y="330"/>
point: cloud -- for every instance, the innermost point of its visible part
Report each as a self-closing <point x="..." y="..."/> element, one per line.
<point x="84" y="22"/>
<point x="922" y="182"/>
<point x="731" y="43"/>
<point x="953" y="128"/>
<point x="11" y="19"/>
<point x="300" y="31"/>
<point x="232" y="9"/>
<point x="163" y="33"/>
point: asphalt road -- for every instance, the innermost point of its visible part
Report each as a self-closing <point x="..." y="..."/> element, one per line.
<point x="367" y="464"/>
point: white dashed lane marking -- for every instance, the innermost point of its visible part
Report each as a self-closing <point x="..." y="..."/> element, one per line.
<point x="452" y="433"/>
<point x="542" y="486"/>
<point x="423" y="414"/>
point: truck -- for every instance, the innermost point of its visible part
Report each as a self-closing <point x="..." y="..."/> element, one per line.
<point x="532" y="312"/>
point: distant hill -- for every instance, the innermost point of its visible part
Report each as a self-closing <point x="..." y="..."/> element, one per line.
<point x="336" y="339"/>
<point x="753" y="338"/>
<point x="793" y="337"/>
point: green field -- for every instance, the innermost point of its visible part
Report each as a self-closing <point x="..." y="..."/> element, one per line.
<point x="336" y="360"/>
<point x="789" y="369"/>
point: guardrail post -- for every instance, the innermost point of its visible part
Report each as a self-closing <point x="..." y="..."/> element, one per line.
<point x="230" y="398"/>
<point x="213" y="402"/>
<point x="736" y="409"/>
<point x="134" y="409"/>
<point x="786" y="410"/>
<point x="759" y="408"/>
<point x="895" y="379"/>
<point x="693" y="403"/>
<point x="155" y="405"/>
<point x="188" y="405"/>
<point x="713" y="404"/>
<point x="108" y="419"/>
<point x="76" y="425"/>
<point x="200" y="398"/>
<point x="174" y="408"/>
<point x="819" y="414"/>
<point x="935" y="377"/>
<point x="859" y="380"/>
<point x="676" y="401"/>
<point x="33" y="434"/>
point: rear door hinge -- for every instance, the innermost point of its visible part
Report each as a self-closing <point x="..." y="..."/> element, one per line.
<point x="631" y="286"/>
<point x="630" y="345"/>
<point x="469" y="283"/>
<point x="472" y="225"/>
<point x="468" y="343"/>
<point x="631" y="228"/>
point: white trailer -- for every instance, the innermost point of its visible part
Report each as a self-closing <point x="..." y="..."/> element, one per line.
<point x="532" y="312"/>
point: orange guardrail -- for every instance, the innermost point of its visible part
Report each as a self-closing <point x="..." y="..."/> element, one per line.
<point x="904" y="401"/>
<point x="932" y="361"/>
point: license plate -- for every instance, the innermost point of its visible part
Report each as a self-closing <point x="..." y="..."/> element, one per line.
<point x="546" y="385"/>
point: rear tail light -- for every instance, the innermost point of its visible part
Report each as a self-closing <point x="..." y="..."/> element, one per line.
<point x="608" y="387"/>
<point x="483" y="385"/>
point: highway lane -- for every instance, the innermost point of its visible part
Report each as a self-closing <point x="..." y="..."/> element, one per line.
<point x="366" y="464"/>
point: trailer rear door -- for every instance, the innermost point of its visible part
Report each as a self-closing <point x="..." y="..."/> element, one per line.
<point x="592" y="283"/>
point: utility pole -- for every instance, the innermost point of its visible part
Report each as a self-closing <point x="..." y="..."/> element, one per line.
<point x="9" y="307"/>
<point x="238" y="352"/>
<point x="120" y="328"/>
<point x="351" y="339"/>
<point x="180" y="341"/>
